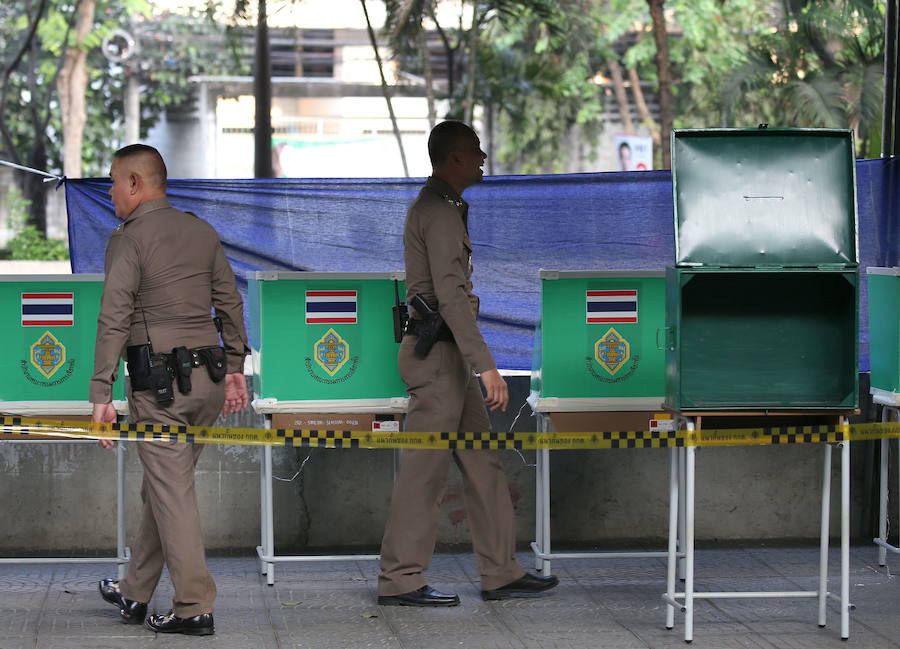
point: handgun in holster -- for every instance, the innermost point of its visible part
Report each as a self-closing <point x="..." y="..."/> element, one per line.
<point x="429" y="327"/>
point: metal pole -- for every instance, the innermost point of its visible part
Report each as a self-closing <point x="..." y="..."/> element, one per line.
<point x="120" y="508"/>
<point x="262" y="91"/>
<point x="673" y="536"/>
<point x="883" y="500"/>
<point x="845" y="538"/>
<point x="825" y="529"/>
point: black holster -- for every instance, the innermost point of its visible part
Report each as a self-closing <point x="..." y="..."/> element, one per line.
<point x="428" y="328"/>
<point x="187" y="359"/>
<point x="215" y="361"/>
<point x="184" y="365"/>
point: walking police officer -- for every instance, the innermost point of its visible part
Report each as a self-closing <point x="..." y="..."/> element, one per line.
<point x="438" y="363"/>
<point x="165" y="272"/>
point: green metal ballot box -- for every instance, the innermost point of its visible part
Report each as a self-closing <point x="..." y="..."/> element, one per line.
<point x="48" y="358"/>
<point x="324" y="342"/>
<point x="884" y="334"/>
<point x="595" y="343"/>
<point x="50" y="326"/>
<point x="597" y="367"/>
<point x="321" y="343"/>
<point x="762" y="303"/>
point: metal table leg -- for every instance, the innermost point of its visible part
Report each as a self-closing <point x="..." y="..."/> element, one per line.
<point x="882" y="539"/>
<point x="674" y="455"/>
<point x="825" y="523"/>
<point x="121" y="550"/>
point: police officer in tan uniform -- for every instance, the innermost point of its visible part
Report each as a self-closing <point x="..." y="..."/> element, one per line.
<point x="165" y="272"/>
<point x="444" y="395"/>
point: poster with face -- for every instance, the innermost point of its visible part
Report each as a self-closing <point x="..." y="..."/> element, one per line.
<point x="634" y="152"/>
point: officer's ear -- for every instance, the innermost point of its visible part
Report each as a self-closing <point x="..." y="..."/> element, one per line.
<point x="453" y="158"/>
<point x="134" y="181"/>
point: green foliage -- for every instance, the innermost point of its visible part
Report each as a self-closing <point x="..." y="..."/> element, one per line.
<point x="29" y="243"/>
<point x="821" y="66"/>
<point x="172" y="49"/>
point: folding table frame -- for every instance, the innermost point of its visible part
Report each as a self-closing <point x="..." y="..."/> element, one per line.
<point x="684" y="601"/>
<point x="889" y="409"/>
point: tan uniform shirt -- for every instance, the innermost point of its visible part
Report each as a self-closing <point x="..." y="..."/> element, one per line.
<point x="172" y="265"/>
<point x="438" y="256"/>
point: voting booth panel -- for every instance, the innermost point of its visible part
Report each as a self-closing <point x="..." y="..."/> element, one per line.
<point x="49" y="327"/>
<point x="596" y="341"/>
<point x="884" y="334"/>
<point x="324" y="342"/>
<point x="762" y="304"/>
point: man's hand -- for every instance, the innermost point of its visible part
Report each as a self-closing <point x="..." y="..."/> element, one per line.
<point x="104" y="413"/>
<point x="497" y="392"/>
<point x="235" y="393"/>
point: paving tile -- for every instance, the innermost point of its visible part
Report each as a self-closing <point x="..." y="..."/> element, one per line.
<point x="615" y="604"/>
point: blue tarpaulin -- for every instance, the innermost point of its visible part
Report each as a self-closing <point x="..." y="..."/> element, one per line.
<point x="518" y="224"/>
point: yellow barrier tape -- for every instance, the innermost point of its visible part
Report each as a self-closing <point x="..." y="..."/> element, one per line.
<point x="13" y="428"/>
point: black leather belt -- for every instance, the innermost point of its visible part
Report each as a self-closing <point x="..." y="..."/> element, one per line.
<point x="412" y="329"/>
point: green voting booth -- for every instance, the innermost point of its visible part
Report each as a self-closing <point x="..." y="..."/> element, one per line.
<point x="884" y="334"/>
<point x="596" y="341"/>
<point x="49" y="326"/>
<point x="324" y="342"/>
<point x="762" y="303"/>
<point x="49" y="323"/>
<point x="321" y="343"/>
<point x="597" y="366"/>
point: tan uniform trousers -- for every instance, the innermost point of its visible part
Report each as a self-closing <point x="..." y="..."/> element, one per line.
<point x="170" y="524"/>
<point x="445" y="396"/>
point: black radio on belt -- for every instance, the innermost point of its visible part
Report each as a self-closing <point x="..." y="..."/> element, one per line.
<point x="149" y="371"/>
<point x="400" y="314"/>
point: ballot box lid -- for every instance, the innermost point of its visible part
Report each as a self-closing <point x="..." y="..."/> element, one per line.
<point x="764" y="197"/>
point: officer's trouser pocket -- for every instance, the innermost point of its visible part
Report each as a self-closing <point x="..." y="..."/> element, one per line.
<point x="418" y="372"/>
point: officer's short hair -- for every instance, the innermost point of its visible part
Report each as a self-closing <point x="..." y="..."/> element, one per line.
<point x="444" y="139"/>
<point x="144" y="149"/>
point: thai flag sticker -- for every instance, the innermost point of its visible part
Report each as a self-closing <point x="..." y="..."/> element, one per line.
<point x="331" y="307"/>
<point x="48" y="309"/>
<point x="612" y="306"/>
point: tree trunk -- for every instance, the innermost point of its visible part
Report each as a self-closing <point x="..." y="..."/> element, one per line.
<point x="429" y="77"/>
<point x="472" y="69"/>
<point x="615" y="73"/>
<point x="71" y="85"/>
<point x="643" y="111"/>
<point x="384" y="88"/>
<point x="664" y="73"/>
<point x="448" y="50"/>
<point x="263" y="166"/>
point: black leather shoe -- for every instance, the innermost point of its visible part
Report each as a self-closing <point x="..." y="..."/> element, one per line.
<point x="131" y="612"/>
<point x="425" y="596"/>
<point x="527" y="584"/>
<point x="202" y="624"/>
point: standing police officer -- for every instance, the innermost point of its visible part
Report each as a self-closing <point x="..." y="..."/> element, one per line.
<point x="165" y="272"/>
<point x="444" y="394"/>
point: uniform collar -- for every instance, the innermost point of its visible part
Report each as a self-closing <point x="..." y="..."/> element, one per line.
<point x="149" y="206"/>
<point x="443" y="189"/>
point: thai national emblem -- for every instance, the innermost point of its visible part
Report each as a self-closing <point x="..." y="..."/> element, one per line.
<point x="48" y="354"/>
<point x="331" y="352"/>
<point x="612" y="351"/>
